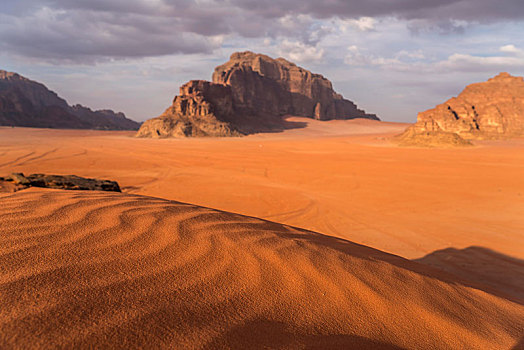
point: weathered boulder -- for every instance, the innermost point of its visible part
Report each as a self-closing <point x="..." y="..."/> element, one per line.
<point x="27" y="103"/>
<point x="250" y="94"/>
<point x="67" y="182"/>
<point x="19" y="179"/>
<point x="488" y="110"/>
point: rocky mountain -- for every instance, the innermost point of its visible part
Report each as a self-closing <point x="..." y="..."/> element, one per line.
<point x="249" y="94"/>
<point x="24" y="102"/>
<point x="490" y="110"/>
<point x="201" y="109"/>
<point x="280" y="87"/>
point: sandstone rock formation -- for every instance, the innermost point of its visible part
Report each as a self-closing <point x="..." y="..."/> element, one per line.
<point x="411" y="137"/>
<point x="249" y="94"/>
<point x="488" y="110"/>
<point x="201" y="109"/>
<point x="280" y="87"/>
<point x="24" y="102"/>
<point x="68" y="182"/>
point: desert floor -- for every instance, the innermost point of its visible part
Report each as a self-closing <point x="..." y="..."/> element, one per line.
<point x="458" y="210"/>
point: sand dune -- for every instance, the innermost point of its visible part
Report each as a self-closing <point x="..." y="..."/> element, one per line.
<point x="342" y="178"/>
<point x="86" y="269"/>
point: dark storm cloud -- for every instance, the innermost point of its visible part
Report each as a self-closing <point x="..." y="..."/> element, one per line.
<point x="90" y="30"/>
<point x="469" y="10"/>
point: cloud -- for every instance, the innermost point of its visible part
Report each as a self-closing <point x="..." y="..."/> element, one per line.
<point x="356" y="57"/>
<point x="511" y="49"/>
<point x="468" y="10"/>
<point x="512" y="58"/>
<point x="470" y="63"/>
<point x="363" y="24"/>
<point x="441" y="26"/>
<point x="407" y="61"/>
<point x="94" y="30"/>
<point x="88" y="36"/>
<point x="300" y="52"/>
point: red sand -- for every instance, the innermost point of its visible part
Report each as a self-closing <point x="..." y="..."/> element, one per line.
<point x="406" y="201"/>
<point x="88" y="263"/>
<point x="102" y="270"/>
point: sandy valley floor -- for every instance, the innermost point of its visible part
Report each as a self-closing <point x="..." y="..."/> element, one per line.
<point x="340" y="178"/>
<point x="461" y="210"/>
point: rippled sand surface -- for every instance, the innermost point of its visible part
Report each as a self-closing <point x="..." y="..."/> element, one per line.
<point x="88" y="269"/>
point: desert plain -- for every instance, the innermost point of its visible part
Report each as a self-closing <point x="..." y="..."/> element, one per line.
<point x="344" y="240"/>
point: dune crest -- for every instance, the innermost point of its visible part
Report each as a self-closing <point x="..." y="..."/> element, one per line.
<point x="93" y="269"/>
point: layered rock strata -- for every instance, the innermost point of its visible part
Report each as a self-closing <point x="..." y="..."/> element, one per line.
<point x="279" y="87"/>
<point x="490" y="110"/>
<point x="201" y="109"/>
<point x="250" y="94"/>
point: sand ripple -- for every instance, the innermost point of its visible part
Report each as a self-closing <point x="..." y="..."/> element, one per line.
<point x="85" y="270"/>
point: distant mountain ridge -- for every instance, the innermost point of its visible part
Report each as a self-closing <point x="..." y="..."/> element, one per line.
<point x="250" y="93"/>
<point x="28" y="103"/>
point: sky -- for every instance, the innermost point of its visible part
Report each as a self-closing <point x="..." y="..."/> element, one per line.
<point x="394" y="58"/>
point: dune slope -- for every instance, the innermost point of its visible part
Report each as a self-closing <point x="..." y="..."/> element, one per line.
<point x="93" y="269"/>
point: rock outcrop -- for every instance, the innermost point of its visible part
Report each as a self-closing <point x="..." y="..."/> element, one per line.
<point x="18" y="181"/>
<point x="249" y="94"/>
<point x="24" y="102"/>
<point x="201" y="109"/>
<point x="488" y="110"/>
<point x="415" y="138"/>
<point x="277" y="86"/>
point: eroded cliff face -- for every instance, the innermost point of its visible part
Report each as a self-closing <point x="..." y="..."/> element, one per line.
<point x="488" y="110"/>
<point x="277" y="86"/>
<point x="24" y="102"/>
<point x="249" y="94"/>
<point x="201" y="109"/>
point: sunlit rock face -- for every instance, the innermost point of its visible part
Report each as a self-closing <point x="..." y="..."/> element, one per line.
<point x="488" y="110"/>
<point x="201" y="109"/>
<point x="249" y="94"/>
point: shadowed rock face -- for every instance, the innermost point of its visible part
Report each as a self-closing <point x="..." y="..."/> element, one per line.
<point x="19" y="181"/>
<point x="249" y="94"/>
<point x="24" y="102"/>
<point x="488" y="110"/>
<point x="280" y="87"/>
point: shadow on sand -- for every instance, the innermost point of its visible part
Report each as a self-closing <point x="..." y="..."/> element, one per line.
<point x="271" y="124"/>
<point x="282" y="338"/>
<point x="519" y="345"/>
<point x="474" y="267"/>
<point x="484" y="268"/>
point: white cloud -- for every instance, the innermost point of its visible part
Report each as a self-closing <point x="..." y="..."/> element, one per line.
<point x="464" y="62"/>
<point x="416" y="55"/>
<point x="513" y="58"/>
<point x="511" y="49"/>
<point x="355" y="57"/>
<point x="300" y="52"/>
<point x="363" y="24"/>
<point x="414" y="61"/>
